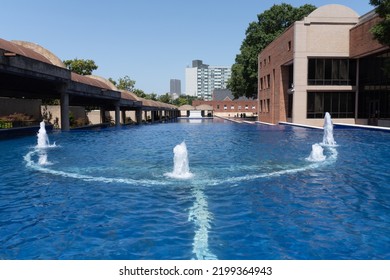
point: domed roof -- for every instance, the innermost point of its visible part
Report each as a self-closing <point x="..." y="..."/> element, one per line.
<point x="186" y="107"/>
<point x="89" y="81"/>
<point x="129" y="95"/>
<point x="23" y="51"/>
<point x="333" y="11"/>
<point x="108" y="84"/>
<point x="53" y="59"/>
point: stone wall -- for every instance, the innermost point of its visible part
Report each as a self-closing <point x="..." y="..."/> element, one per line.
<point x="78" y="112"/>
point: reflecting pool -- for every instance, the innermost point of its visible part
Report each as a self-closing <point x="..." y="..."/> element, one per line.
<point x="255" y="192"/>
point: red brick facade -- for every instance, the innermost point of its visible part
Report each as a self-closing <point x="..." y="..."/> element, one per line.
<point x="229" y="107"/>
<point x="284" y="62"/>
<point x="362" y="42"/>
<point x="274" y="78"/>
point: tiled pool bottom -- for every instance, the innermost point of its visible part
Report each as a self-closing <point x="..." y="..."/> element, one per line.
<point x="254" y="194"/>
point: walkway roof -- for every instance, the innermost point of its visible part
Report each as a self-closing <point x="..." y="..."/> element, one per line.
<point x="186" y="108"/>
<point x="20" y="50"/>
<point x="31" y="71"/>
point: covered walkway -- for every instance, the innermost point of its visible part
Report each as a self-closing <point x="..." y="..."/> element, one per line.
<point x="28" y="71"/>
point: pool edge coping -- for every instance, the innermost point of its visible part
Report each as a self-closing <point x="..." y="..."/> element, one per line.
<point x="343" y="125"/>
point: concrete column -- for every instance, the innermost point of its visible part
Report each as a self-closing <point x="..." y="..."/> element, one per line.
<point x="153" y="113"/>
<point x="123" y="116"/>
<point x="102" y="115"/>
<point x="65" y="126"/>
<point x="138" y="116"/>
<point x="117" y="115"/>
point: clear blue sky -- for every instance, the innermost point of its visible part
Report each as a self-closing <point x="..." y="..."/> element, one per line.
<point x="151" y="41"/>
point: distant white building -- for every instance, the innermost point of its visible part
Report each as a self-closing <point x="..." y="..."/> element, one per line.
<point x="202" y="79"/>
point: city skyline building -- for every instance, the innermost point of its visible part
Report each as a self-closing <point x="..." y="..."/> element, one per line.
<point x="202" y="79"/>
<point x="175" y="88"/>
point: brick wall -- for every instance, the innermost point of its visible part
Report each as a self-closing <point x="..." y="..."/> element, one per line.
<point x="228" y="107"/>
<point x="273" y="83"/>
<point x="362" y="41"/>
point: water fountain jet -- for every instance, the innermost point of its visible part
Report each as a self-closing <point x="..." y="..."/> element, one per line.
<point x="317" y="151"/>
<point x="43" y="143"/>
<point x="181" y="169"/>
<point x="43" y="139"/>
<point x="328" y="131"/>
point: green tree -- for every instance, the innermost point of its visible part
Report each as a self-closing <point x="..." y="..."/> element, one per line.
<point x="184" y="100"/>
<point x="124" y="83"/>
<point x="81" y="66"/>
<point x="270" y="24"/>
<point x="113" y="81"/>
<point x="139" y="93"/>
<point x="151" y="96"/>
<point x="381" y="30"/>
<point x="165" y="98"/>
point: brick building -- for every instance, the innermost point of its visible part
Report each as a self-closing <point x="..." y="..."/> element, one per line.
<point x="225" y="105"/>
<point x="328" y="62"/>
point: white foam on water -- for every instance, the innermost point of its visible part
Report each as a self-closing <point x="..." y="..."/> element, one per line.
<point x="201" y="217"/>
<point x="41" y="168"/>
<point x="317" y="153"/>
<point x="198" y="213"/>
<point x="43" y="159"/>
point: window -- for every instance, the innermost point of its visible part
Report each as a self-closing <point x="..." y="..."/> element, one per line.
<point x="328" y="71"/>
<point x="224" y="107"/>
<point x="338" y="104"/>
<point x="289" y="46"/>
<point x="232" y="107"/>
<point x="291" y="76"/>
<point x="374" y="93"/>
<point x="268" y="81"/>
<point x="246" y="107"/>
<point x="290" y="105"/>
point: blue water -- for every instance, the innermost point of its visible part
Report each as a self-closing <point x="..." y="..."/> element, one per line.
<point x="254" y="195"/>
